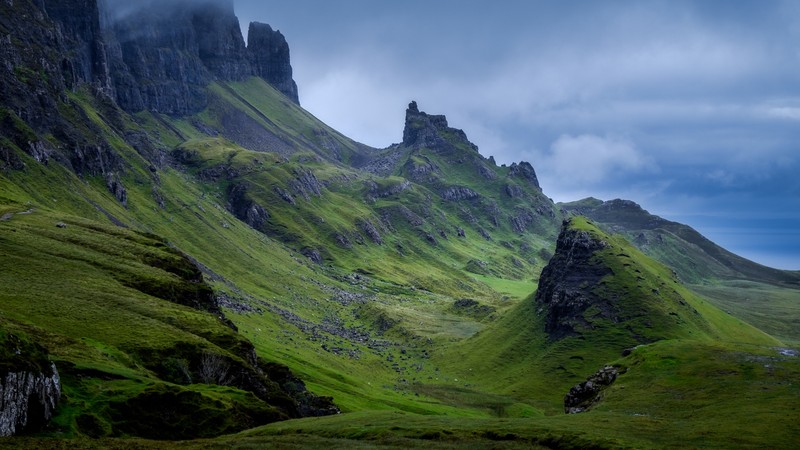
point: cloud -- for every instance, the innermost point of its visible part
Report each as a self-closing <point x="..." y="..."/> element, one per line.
<point x="590" y="160"/>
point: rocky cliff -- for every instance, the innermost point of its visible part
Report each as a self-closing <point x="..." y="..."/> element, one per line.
<point x="567" y="283"/>
<point x="431" y="131"/>
<point x="270" y="54"/>
<point x="29" y="385"/>
<point x="598" y="285"/>
<point x="156" y="56"/>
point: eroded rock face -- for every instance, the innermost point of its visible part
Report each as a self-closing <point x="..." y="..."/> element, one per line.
<point x="430" y="131"/>
<point x="270" y="54"/>
<point x="567" y="282"/>
<point x="525" y="171"/>
<point x="27" y="400"/>
<point x="583" y="396"/>
<point x="30" y="387"/>
<point x="245" y="209"/>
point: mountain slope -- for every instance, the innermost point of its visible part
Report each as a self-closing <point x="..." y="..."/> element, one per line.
<point x="763" y="296"/>
<point x="671" y="243"/>
<point x="213" y="247"/>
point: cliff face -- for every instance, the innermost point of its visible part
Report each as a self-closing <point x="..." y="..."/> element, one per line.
<point x="29" y="385"/>
<point x="27" y="400"/>
<point x="156" y="56"/>
<point x="270" y="54"/>
<point x="431" y="131"/>
<point x="567" y="284"/>
<point x="171" y="51"/>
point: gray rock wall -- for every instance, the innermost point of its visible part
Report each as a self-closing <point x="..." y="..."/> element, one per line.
<point x="27" y="400"/>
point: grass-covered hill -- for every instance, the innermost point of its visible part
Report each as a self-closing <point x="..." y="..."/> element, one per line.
<point x="763" y="296"/>
<point x="240" y="266"/>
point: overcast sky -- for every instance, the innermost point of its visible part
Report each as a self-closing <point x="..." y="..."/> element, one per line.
<point x="691" y="109"/>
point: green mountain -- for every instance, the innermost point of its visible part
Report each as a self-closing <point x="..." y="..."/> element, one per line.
<point x="186" y="253"/>
<point x="763" y="296"/>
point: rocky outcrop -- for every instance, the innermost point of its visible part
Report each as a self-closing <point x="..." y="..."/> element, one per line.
<point x="30" y="387"/>
<point x="306" y="184"/>
<point x="514" y="191"/>
<point x="270" y="54"/>
<point x="156" y="56"/>
<point x="369" y="229"/>
<point x="458" y="193"/>
<point x="306" y="403"/>
<point x="567" y="282"/>
<point x="524" y="170"/>
<point x="85" y="59"/>
<point x="27" y="400"/>
<point x="583" y="396"/>
<point x="245" y="209"/>
<point x="431" y="131"/>
<point x="376" y="191"/>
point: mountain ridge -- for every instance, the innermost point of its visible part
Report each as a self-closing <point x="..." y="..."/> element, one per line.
<point x="400" y="282"/>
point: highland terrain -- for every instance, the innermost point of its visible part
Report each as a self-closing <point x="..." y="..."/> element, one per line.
<point x="188" y="258"/>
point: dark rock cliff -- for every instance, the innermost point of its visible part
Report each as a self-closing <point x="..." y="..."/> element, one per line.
<point x="156" y="56"/>
<point x="29" y="385"/>
<point x="270" y="54"/>
<point x="567" y="282"/>
<point x="431" y="131"/>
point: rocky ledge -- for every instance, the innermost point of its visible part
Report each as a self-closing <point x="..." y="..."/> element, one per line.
<point x="30" y="387"/>
<point x="567" y="282"/>
<point x="584" y="395"/>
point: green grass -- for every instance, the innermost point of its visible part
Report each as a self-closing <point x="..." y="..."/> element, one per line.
<point x="374" y="326"/>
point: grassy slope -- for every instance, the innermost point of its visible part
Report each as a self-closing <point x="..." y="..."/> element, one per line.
<point x="765" y="297"/>
<point x="507" y="369"/>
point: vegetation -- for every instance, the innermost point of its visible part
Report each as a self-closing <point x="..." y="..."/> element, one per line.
<point x="406" y="294"/>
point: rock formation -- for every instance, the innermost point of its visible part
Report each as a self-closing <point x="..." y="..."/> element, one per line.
<point x="567" y="282"/>
<point x="583" y="396"/>
<point x="525" y="171"/>
<point x="157" y="56"/>
<point x="30" y="387"/>
<point x="270" y="54"/>
<point x="431" y="131"/>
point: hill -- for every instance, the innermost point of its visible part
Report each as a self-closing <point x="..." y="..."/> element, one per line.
<point x="187" y="253"/>
<point x="763" y="296"/>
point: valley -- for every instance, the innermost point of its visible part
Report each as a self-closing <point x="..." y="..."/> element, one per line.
<point x="208" y="265"/>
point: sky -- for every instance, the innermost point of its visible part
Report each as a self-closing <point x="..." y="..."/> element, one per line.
<point x="691" y="109"/>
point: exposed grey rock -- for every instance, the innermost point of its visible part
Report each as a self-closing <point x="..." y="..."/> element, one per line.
<point x="370" y="231"/>
<point x="486" y="172"/>
<point x="285" y="195"/>
<point x="374" y="190"/>
<point x="270" y="54"/>
<point x="342" y="241"/>
<point x="458" y="193"/>
<point x="306" y="184"/>
<point x="115" y="186"/>
<point x="27" y="400"/>
<point x="522" y="220"/>
<point x="61" y="225"/>
<point x="525" y="171"/>
<point x="514" y="191"/>
<point x="421" y="172"/>
<point x="313" y="254"/>
<point x="245" y="209"/>
<point x="431" y="131"/>
<point x="567" y="283"/>
<point x="583" y="396"/>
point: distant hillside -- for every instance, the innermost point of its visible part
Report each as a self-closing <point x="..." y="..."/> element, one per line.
<point x="690" y="254"/>
<point x="185" y="253"/>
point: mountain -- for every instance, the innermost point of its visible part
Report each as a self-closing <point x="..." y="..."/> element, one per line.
<point x="761" y="295"/>
<point x="671" y="243"/>
<point x="185" y="252"/>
